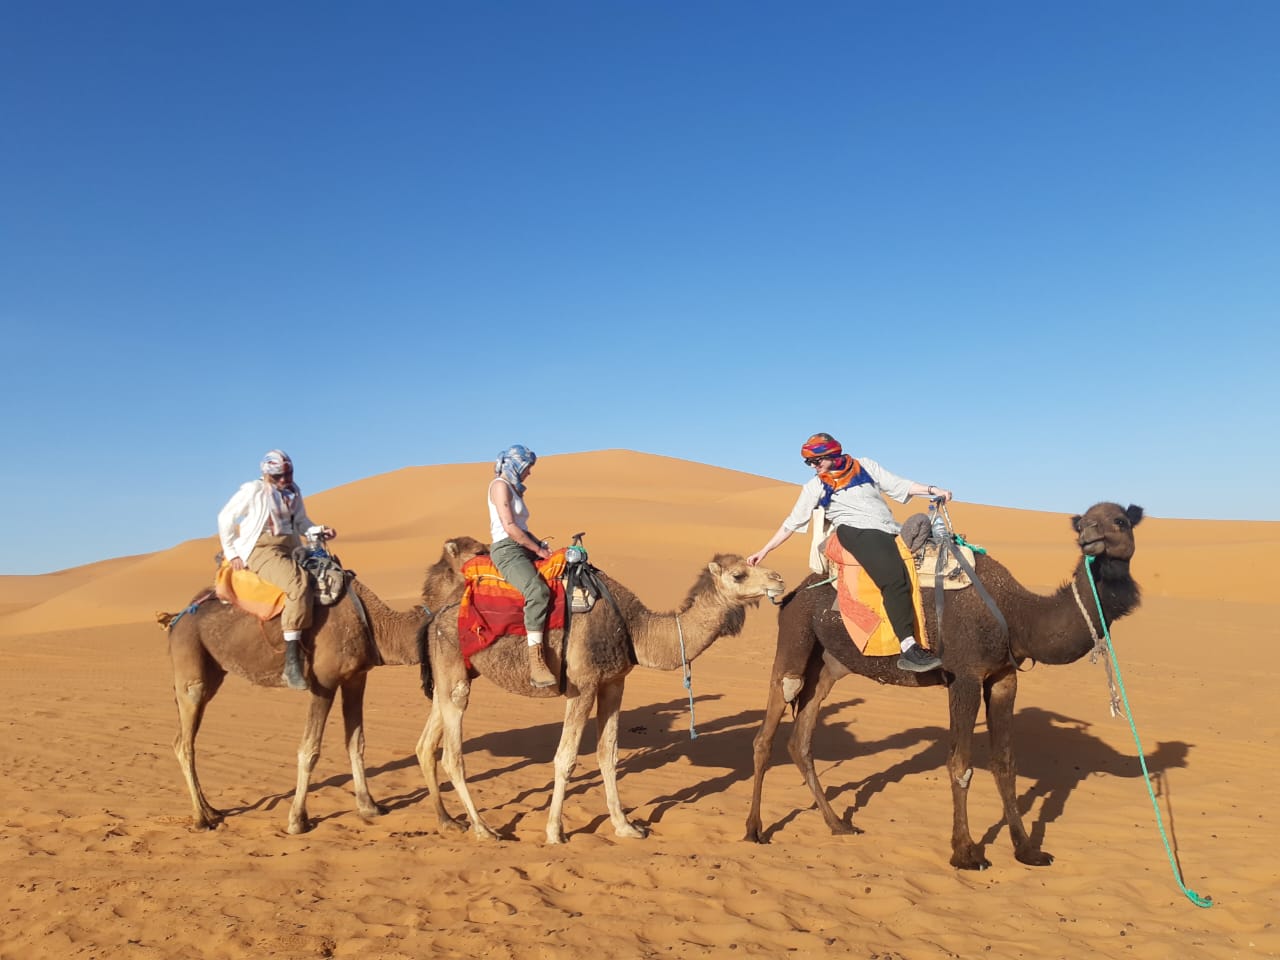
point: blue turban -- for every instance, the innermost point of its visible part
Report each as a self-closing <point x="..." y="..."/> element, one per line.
<point x="512" y="462"/>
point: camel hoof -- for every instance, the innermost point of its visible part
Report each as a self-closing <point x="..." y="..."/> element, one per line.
<point x="754" y="834"/>
<point x="972" y="862"/>
<point x="451" y="825"/>
<point x="1034" y="858"/>
<point x="843" y="829"/>
<point x="633" y="831"/>
<point x="372" y="810"/>
<point x="297" y="827"/>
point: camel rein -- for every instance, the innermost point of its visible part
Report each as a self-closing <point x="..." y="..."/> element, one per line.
<point x="1190" y="894"/>
<point x="688" y="677"/>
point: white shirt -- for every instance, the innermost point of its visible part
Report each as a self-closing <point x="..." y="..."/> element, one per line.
<point x="861" y="506"/>
<point x="243" y="519"/>
<point x="519" y="513"/>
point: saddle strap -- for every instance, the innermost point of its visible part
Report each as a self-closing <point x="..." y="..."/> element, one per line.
<point x="949" y="544"/>
<point x="583" y="574"/>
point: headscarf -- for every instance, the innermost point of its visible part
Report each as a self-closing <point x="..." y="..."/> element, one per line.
<point x="512" y="462"/>
<point x="275" y="463"/>
<point x="845" y="470"/>
<point x="282" y="500"/>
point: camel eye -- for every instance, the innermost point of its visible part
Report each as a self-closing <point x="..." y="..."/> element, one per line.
<point x="740" y="576"/>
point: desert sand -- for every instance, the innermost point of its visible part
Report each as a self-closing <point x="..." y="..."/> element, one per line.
<point x="97" y="857"/>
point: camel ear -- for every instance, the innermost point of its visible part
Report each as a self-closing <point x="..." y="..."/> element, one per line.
<point x="451" y="547"/>
<point x="1135" y="514"/>
<point x="715" y="568"/>
<point x="1075" y="523"/>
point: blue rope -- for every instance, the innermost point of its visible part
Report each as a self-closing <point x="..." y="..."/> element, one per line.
<point x="688" y="678"/>
<point x="190" y="609"/>
<point x="1190" y="894"/>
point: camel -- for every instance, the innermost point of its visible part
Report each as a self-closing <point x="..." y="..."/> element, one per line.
<point x="210" y="639"/>
<point x="978" y="662"/>
<point x="600" y="653"/>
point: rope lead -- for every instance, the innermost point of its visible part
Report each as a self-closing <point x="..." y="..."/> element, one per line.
<point x="1190" y="894"/>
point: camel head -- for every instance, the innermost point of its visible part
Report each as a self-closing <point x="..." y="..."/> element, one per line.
<point x="1106" y="529"/>
<point x="446" y="572"/>
<point x="741" y="583"/>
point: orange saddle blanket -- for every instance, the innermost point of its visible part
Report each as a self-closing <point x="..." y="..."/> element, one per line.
<point x="491" y="608"/>
<point x="862" y="605"/>
<point x="248" y="591"/>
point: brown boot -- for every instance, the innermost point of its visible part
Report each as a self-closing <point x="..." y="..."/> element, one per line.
<point x="539" y="675"/>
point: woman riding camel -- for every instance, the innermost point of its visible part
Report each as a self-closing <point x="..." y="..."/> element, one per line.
<point x="259" y="528"/>
<point x="850" y="492"/>
<point x="514" y="550"/>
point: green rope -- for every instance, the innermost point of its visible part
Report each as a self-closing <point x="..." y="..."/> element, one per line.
<point x="1191" y="895"/>
<point x="959" y="538"/>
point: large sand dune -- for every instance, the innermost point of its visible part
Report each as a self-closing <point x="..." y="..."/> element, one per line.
<point x="97" y="859"/>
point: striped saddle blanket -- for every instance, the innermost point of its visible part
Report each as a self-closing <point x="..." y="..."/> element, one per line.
<point x="492" y="608"/>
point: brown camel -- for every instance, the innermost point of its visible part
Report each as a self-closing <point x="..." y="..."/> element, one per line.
<point x="978" y="662"/>
<point x="600" y="654"/>
<point x="213" y="638"/>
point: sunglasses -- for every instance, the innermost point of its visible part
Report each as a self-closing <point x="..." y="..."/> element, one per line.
<point x="814" y="461"/>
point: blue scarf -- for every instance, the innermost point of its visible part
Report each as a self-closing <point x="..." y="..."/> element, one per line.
<point x="512" y="462"/>
<point x="845" y="472"/>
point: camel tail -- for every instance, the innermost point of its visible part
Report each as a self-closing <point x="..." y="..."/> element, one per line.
<point x="424" y="658"/>
<point x="165" y="619"/>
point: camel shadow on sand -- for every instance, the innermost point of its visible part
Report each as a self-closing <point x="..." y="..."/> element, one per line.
<point x="1056" y="754"/>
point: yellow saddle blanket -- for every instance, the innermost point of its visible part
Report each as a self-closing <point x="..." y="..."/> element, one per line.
<point x="862" y="605"/>
<point x="248" y="591"/>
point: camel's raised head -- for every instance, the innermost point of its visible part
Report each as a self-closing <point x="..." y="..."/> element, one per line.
<point x="445" y="575"/>
<point x="739" y="580"/>
<point x="461" y="549"/>
<point x="1106" y="529"/>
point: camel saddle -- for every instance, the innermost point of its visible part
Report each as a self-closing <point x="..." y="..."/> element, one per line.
<point x="861" y="604"/>
<point x="248" y="591"/>
<point x="492" y="608"/>
<point x="953" y="574"/>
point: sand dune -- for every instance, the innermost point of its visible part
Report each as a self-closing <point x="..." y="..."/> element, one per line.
<point x="98" y="859"/>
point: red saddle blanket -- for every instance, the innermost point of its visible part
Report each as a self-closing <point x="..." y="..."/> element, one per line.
<point x="491" y="608"/>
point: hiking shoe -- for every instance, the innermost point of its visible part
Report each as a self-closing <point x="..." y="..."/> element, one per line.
<point x="918" y="660"/>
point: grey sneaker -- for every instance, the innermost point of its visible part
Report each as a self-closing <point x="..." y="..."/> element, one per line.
<point x="918" y="660"/>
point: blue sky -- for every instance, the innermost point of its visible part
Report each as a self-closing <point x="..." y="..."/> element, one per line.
<point x="1026" y="251"/>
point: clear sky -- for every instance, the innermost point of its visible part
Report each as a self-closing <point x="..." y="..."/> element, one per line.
<point x="1029" y="251"/>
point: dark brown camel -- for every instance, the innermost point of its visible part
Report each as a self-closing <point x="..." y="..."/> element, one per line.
<point x="213" y="638"/>
<point x="978" y="663"/>
<point x="599" y="661"/>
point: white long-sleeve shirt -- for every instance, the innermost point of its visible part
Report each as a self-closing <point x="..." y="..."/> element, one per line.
<point x="243" y="519"/>
<point x="861" y="506"/>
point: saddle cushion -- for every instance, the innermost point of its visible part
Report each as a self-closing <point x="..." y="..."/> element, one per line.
<point x="862" y="605"/>
<point x="248" y="591"/>
<point x="953" y="575"/>
<point x="492" y="608"/>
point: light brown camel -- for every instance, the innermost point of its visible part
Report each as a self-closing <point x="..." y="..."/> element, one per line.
<point x="978" y="663"/>
<point x="212" y="638"/>
<point x="599" y="658"/>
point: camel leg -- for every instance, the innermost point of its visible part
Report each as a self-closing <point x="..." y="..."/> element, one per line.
<point x="964" y="694"/>
<point x="308" y="754"/>
<point x="761" y="750"/>
<point x="452" y="706"/>
<point x="353" y="723"/>
<point x="192" y="696"/>
<point x="428" y="743"/>
<point x="608" y="709"/>
<point x="1000" y="692"/>
<point x="576" y="710"/>
<point x="800" y="746"/>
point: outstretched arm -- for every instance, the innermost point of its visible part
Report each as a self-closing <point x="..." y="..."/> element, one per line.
<point x="776" y="540"/>
<point x="929" y="490"/>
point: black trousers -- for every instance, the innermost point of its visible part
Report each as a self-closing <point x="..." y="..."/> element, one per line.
<point x="877" y="553"/>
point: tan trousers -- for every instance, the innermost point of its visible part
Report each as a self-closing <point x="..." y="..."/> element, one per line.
<point x="272" y="560"/>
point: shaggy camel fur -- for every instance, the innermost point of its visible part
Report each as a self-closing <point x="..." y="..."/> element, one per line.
<point x="214" y="638"/>
<point x="978" y="663"/>
<point x="598" y="662"/>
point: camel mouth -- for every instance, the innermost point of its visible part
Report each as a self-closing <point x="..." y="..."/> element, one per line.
<point x="1092" y="548"/>
<point x="774" y="595"/>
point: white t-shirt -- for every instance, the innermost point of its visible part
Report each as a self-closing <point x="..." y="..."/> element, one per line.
<point x="519" y="513"/>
